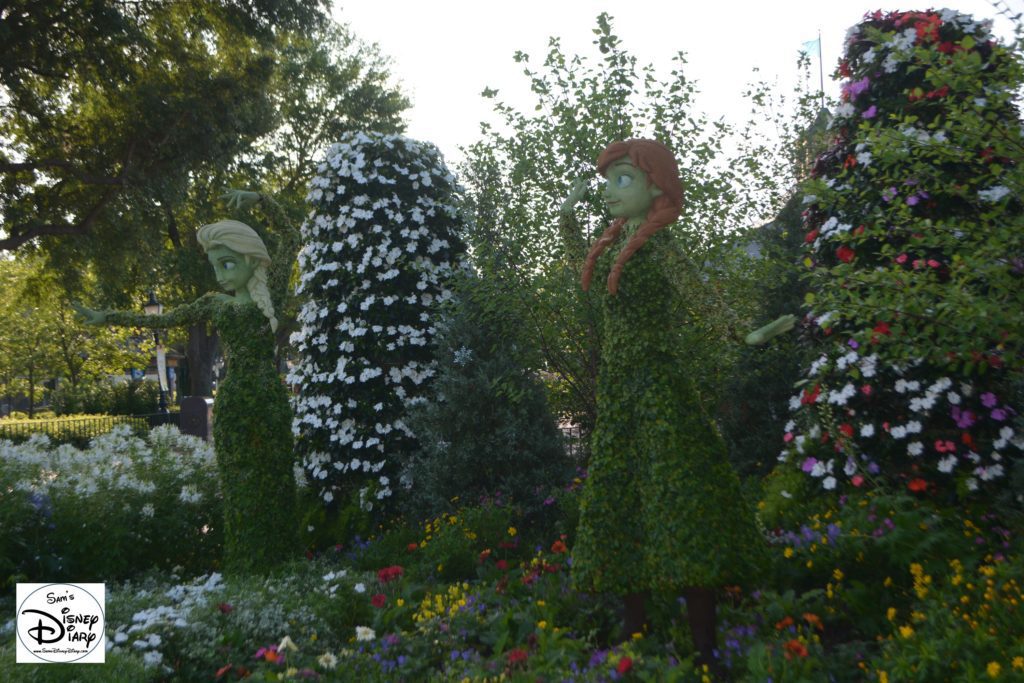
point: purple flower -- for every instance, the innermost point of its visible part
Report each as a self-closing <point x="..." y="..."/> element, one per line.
<point x="964" y="418"/>
<point x="853" y="344"/>
<point x="873" y="468"/>
<point x="988" y="399"/>
<point x="889" y="194"/>
<point x="912" y="200"/>
<point x="870" y="112"/>
<point x="809" y="464"/>
<point x="855" y="88"/>
<point x="998" y="414"/>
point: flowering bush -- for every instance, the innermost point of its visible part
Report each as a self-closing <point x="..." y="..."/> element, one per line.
<point x="916" y="244"/>
<point x="379" y="245"/>
<point x="119" y="507"/>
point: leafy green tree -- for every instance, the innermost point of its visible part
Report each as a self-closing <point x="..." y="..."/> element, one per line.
<point x="41" y="340"/>
<point x="129" y="119"/>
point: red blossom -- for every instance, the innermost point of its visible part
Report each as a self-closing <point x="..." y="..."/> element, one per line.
<point x="223" y="670"/>
<point x="379" y="600"/>
<point x="225" y="608"/>
<point x="810" y="395"/>
<point x="846" y="429"/>
<point x="783" y="623"/>
<point x="845" y="254"/>
<point x="928" y="29"/>
<point x="559" y="547"/>
<point x="882" y="328"/>
<point x="794" y="647"/>
<point x="411" y="547"/>
<point x="625" y="664"/>
<point x="388" y="574"/>
<point x="517" y="656"/>
<point x="857" y="480"/>
<point x="485" y="554"/>
<point x="811" y="236"/>
<point x="917" y="485"/>
<point x="501" y="564"/>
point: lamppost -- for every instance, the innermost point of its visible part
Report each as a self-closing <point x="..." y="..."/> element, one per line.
<point x="154" y="307"/>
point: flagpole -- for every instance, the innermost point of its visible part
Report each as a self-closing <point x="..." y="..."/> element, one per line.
<point x="821" y="72"/>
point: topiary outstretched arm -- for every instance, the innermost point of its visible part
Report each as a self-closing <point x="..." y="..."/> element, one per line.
<point x="187" y="314"/>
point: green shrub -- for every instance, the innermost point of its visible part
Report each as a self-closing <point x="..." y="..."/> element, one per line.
<point x="485" y="428"/>
<point x="105" y="397"/>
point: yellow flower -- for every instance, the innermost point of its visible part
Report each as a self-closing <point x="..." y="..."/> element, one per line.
<point x="890" y="613"/>
<point x="838" y="573"/>
<point x="1018" y="662"/>
<point x="399" y="602"/>
<point x="906" y="631"/>
<point x="883" y="677"/>
<point x="916" y="569"/>
<point x="637" y="636"/>
<point x="542" y="624"/>
<point x="993" y="669"/>
<point x="810" y="563"/>
<point x="787" y="553"/>
<point x="512" y="531"/>
<point x="887" y="582"/>
<point x="541" y="603"/>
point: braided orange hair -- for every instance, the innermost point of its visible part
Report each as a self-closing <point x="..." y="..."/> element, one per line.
<point x="658" y="162"/>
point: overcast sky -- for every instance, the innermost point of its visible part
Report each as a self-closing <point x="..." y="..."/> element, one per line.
<point x="445" y="52"/>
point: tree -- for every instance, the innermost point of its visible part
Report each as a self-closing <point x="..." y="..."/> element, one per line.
<point x="128" y="120"/>
<point x="41" y="340"/>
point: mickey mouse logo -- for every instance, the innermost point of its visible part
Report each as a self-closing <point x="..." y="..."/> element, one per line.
<point x="60" y="622"/>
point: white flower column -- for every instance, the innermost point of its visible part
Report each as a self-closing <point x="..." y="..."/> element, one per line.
<point x="380" y="244"/>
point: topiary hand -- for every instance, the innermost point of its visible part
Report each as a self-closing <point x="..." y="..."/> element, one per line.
<point x="579" y="188"/>
<point x="89" y="316"/>
<point x="240" y="199"/>
<point x="772" y="329"/>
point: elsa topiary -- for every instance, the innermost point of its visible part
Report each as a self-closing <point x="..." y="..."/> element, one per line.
<point x="915" y="234"/>
<point x="251" y="428"/>
<point x="379" y="246"/>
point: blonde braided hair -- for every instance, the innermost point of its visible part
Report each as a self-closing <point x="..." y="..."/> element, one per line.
<point x="239" y="237"/>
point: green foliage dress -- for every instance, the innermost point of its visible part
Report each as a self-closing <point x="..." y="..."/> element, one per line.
<point x="661" y="508"/>
<point x="252" y="418"/>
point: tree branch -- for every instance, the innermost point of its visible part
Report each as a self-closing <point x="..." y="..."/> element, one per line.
<point x="82" y="227"/>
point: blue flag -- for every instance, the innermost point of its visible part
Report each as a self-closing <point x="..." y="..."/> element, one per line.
<point x="811" y="46"/>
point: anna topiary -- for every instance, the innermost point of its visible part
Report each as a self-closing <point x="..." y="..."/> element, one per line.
<point x="379" y="245"/>
<point x="915" y="234"/>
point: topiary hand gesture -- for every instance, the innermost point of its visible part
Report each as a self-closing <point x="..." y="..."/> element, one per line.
<point x="89" y="316"/>
<point x="240" y="199"/>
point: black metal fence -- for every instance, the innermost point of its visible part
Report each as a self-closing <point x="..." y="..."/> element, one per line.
<point x="79" y="430"/>
<point x="575" y="445"/>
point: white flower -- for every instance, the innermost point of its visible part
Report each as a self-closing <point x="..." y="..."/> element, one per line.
<point x="867" y="431"/>
<point x="946" y="464"/>
<point x="993" y="194"/>
<point x="327" y="661"/>
<point x="828" y="483"/>
<point x="365" y="633"/>
<point x="147" y="510"/>
<point x="152" y="658"/>
<point x="915" y="448"/>
<point x="359" y="588"/>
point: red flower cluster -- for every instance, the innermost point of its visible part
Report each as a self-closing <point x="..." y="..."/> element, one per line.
<point x="379" y="600"/>
<point x="624" y="666"/>
<point x="517" y="656"/>
<point x="794" y="648"/>
<point x="389" y="574"/>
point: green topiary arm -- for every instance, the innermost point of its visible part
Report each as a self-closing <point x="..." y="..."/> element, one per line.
<point x="187" y="314"/>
